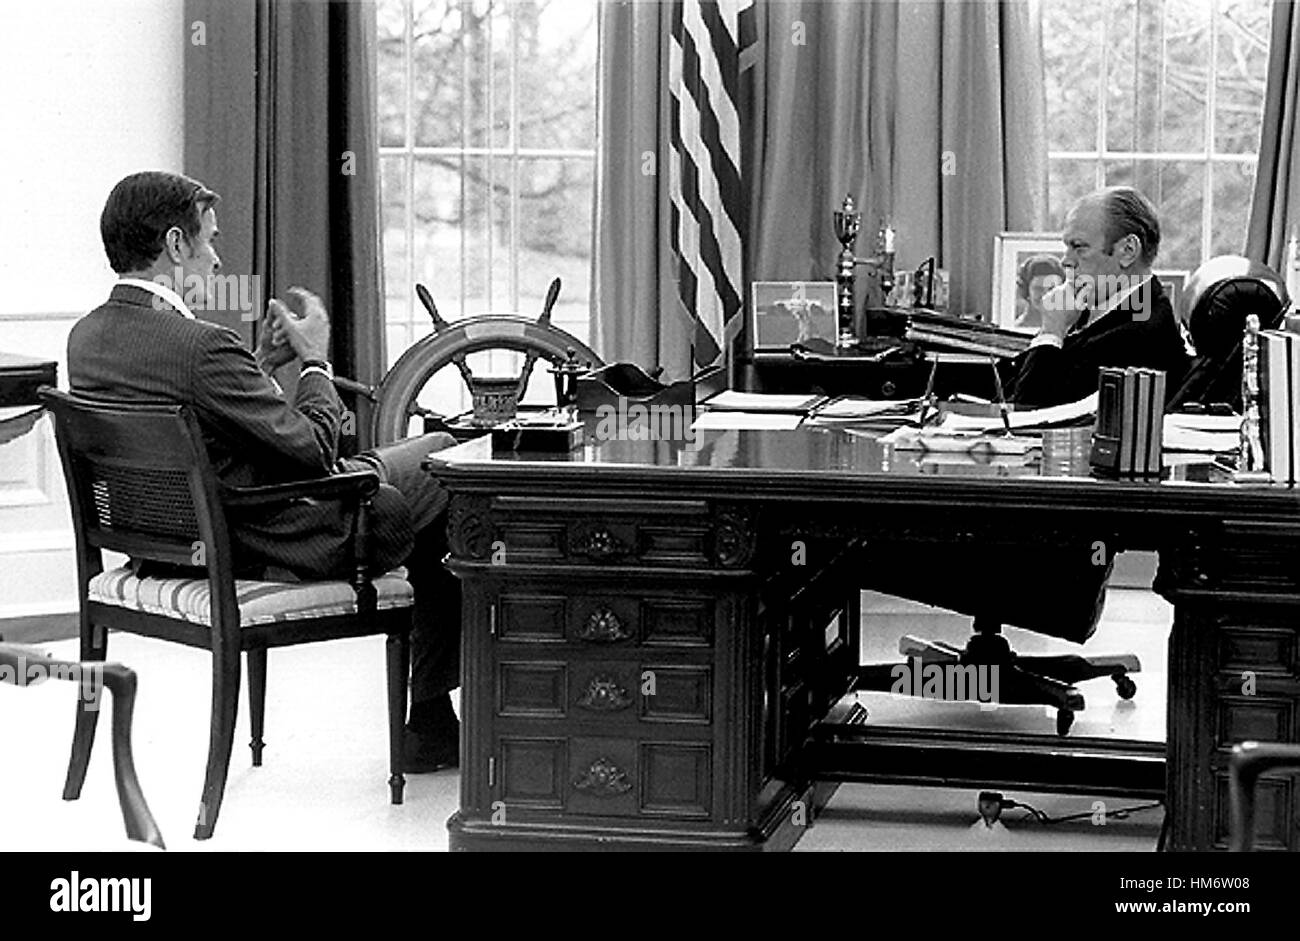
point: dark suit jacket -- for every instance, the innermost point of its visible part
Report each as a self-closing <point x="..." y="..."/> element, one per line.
<point x="1146" y="335"/>
<point x="129" y="348"/>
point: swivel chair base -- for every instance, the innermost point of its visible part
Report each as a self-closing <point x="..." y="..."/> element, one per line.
<point x="1047" y="680"/>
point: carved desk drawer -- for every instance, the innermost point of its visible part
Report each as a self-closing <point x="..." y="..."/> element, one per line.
<point x="606" y="691"/>
<point x="601" y="621"/>
<point x="610" y="777"/>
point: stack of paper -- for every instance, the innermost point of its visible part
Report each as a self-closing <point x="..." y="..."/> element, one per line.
<point x="1202" y="434"/>
<point x="1056" y="416"/>
<point x="733" y="401"/>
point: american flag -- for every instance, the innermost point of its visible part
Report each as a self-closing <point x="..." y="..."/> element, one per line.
<point x="707" y="236"/>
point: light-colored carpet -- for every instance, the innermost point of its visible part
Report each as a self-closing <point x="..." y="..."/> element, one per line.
<point x="323" y="785"/>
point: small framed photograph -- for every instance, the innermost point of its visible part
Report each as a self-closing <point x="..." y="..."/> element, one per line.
<point x="783" y="313"/>
<point x="1172" y="282"/>
<point x="1025" y="266"/>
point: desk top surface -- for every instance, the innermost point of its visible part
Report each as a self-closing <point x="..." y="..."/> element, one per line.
<point x="837" y="463"/>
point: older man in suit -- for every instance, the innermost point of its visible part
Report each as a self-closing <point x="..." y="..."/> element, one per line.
<point x="159" y="231"/>
<point x="1110" y="311"/>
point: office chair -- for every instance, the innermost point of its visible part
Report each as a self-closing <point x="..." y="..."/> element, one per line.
<point x="1059" y="590"/>
<point x="1212" y="311"/>
<point x="1249" y="761"/>
<point x="25" y="666"/>
<point x="140" y="483"/>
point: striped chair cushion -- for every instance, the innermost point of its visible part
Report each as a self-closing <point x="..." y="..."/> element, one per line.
<point x="259" y="602"/>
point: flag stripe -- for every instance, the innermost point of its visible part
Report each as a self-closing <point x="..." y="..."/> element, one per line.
<point x="705" y="186"/>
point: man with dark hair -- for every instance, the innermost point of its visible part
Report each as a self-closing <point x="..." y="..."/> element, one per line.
<point x="145" y="343"/>
<point x="1111" y="310"/>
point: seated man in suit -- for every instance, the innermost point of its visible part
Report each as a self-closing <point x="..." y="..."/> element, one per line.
<point x="158" y="230"/>
<point x="1110" y="311"/>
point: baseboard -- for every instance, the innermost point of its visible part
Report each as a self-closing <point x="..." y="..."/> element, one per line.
<point x="39" y="628"/>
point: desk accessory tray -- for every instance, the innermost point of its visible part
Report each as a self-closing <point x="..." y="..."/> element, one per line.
<point x="552" y="434"/>
<point x="630" y="384"/>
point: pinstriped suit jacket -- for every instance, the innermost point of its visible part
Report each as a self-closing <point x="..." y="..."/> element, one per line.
<point x="136" y="346"/>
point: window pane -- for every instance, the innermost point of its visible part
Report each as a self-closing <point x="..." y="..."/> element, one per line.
<point x="1242" y="70"/>
<point x="1071" y="60"/>
<point x="391" y="55"/>
<point x="438" y="55"/>
<point x="438" y="223"/>
<point x="1184" y="89"/>
<point x="397" y="287"/>
<point x="1233" y="184"/>
<point x="1136" y="35"/>
<point x="557" y="77"/>
<point x="1067" y="181"/>
<point x="1176" y="188"/>
<point x="555" y="238"/>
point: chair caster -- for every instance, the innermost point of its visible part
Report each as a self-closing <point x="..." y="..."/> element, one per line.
<point x="1125" y="686"/>
<point x="1064" y="719"/>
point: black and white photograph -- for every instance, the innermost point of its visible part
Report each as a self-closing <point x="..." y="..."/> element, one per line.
<point x="451" y="426"/>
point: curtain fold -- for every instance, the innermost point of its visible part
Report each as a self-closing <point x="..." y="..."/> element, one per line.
<point x="930" y="113"/>
<point x="636" y="314"/>
<point x="304" y="184"/>
<point x="1275" y="204"/>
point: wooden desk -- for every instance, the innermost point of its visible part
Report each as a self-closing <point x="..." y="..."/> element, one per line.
<point x="645" y="663"/>
<point x="21" y="376"/>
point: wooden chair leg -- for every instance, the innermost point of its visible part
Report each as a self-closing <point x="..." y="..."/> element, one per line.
<point x="399" y="657"/>
<point x="94" y="647"/>
<point x="140" y="824"/>
<point x="225" y="707"/>
<point x="257" y="701"/>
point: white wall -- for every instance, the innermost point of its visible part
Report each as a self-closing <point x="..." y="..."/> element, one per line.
<point x="90" y="90"/>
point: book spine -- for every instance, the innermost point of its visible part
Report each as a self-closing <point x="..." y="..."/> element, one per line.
<point x="1267" y="436"/>
<point x="1275" y="409"/>
<point x="1127" y="423"/>
<point x="1141" y="422"/>
<point x="1155" y="452"/>
<point x="1291" y="409"/>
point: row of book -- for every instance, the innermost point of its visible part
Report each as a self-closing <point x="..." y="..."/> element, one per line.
<point x="1279" y="403"/>
<point x="969" y="336"/>
<point x="1130" y="422"/>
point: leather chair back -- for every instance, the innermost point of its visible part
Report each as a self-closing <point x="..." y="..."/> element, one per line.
<point x="1213" y="309"/>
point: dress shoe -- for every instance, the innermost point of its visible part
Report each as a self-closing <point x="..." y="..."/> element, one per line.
<point x="426" y="752"/>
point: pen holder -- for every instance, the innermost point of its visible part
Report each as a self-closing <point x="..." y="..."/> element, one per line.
<point x="1130" y="423"/>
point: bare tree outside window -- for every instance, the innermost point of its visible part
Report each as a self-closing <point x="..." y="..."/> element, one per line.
<point x="487" y="116"/>
<point x="1164" y="95"/>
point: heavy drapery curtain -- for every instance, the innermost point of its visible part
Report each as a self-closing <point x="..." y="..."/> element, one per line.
<point x="876" y="99"/>
<point x="281" y="119"/>
<point x="1275" y="207"/>
<point x="636" y="316"/>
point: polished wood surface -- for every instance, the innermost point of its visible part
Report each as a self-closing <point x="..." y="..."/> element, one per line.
<point x="21" y="376"/>
<point x="586" y="572"/>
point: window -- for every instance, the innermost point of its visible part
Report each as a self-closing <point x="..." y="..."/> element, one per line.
<point x="487" y="115"/>
<point x="1163" y="95"/>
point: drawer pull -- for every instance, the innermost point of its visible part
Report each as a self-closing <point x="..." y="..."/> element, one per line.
<point x="596" y="542"/>
<point x="604" y="694"/>
<point x="603" y="627"/>
<point x="603" y="778"/>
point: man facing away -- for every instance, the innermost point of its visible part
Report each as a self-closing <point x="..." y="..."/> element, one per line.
<point x="1110" y="311"/>
<point x="145" y="343"/>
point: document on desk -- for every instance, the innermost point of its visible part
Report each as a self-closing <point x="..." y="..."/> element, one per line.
<point x="733" y="401"/>
<point x="1030" y="419"/>
<point x="854" y="409"/>
<point x="1202" y="434"/>
<point x="723" y="420"/>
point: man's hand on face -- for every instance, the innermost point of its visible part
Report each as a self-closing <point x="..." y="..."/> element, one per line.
<point x="1064" y="304"/>
<point x="307" y="335"/>
<point x="273" y="349"/>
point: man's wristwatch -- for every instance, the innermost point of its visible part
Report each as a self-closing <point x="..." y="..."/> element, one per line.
<point x="322" y="365"/>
